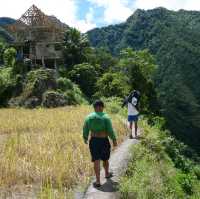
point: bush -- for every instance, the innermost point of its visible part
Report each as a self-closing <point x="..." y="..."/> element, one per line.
<point x="64" y="84"/>
<point x="85" y="75"/>
<point x="20" y="68"/>
<point x="71" y="91"/>
<point x="186" y="182"/>
<point x="176" y="151"/>
<point x="75" y="96"/>
<point x="112" y="85"/>
<point x="9" y="57"/>
<point x="197" y="172"/>
<point x="113" y="104"/>
<point x="52" y="99"/>
<point x="37" y="82"/>
<point x="158" y="122"/>
<point x="10" y="86"/>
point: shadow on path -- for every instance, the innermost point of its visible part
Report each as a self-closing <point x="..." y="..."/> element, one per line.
<point x="109" y="186"/>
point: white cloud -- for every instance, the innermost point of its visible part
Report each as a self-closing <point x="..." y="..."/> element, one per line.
<point x="87" y="23"/>
<point x="169" y="4"/>
<point x="65" y="10"/>
<point x="192" y="5"/>
<point x="120" y="10"/>
<point x="114" y="10"/>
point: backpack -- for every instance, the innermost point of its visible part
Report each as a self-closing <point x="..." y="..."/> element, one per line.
<point x="134" y="94"/>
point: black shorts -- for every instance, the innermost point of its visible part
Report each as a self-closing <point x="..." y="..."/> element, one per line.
<point x="99" y="148"/>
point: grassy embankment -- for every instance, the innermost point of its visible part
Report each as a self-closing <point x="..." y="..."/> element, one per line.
<point x="161" y="168"/>
<point x="43" y="148"/>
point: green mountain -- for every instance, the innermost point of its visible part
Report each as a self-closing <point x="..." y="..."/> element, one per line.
<point x="174" y="39"/>
<point x="4" y="35"/>
<point x="6" y="21"/>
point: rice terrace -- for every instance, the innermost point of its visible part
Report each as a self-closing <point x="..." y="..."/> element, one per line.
<point x="44" y="149"/>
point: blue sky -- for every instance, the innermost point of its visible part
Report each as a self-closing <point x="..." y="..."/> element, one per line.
<point x="88" y="14"/>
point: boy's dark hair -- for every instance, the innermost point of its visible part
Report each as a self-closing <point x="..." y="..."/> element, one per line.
<point x="134" y="93"/>
<point x="98" y="103"/>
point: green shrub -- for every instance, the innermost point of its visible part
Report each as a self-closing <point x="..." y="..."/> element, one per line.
<point x="9" y="56"/>
<point x="64" y="84"/>
<point x="75" y="96"/>
<point x="20" y="68"/>
<point x="72" y="92"/>
<point x="39" y="81"/>
<point x="80" y="97"/>
<point x="158" y="122"/>
<point x="10" y="86"/>
<point x="186" y="181"/>
<point x="112" y="84"/>
<point x="177" y="151"/>
<point x="196" y="170"/>
<point x="85" y="75"/>
<point x="113" y="104"/>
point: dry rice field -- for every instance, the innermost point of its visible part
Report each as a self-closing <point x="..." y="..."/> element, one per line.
<point x="42" y="154"/>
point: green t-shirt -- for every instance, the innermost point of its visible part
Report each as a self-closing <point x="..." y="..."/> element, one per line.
<point x="98" y="122"/>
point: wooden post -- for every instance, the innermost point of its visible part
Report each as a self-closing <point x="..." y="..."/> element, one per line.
<point x="55" y="66"/>
<point x="43" y="63"/>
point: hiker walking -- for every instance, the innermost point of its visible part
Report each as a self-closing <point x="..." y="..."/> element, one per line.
<point x="99" y="126"/>
<point x="132" y="102"/>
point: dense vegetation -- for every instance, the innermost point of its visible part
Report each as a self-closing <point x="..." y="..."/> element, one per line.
<point x="6" y="21"/>
<point x="86" y="74"/>
<point x="173" y="37"/>
<point x="160" y="167"/>
<point x="4" y="35"/>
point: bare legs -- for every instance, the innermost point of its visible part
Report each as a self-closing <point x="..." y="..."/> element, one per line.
<point x="131" y="126"/>
<point x="106" y="167"/>
<point x="97" y="169"/>
<point x="135" y="127"/>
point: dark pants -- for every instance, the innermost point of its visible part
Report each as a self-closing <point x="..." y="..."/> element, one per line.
<point x="99" y="148"/>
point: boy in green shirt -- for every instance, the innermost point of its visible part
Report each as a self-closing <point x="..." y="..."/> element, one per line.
<point x="99" y="125"/>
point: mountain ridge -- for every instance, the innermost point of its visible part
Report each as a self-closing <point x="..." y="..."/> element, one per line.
<point x="173" y="37"/>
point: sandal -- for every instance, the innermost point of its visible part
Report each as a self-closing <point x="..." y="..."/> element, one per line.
<point x="110" y="175"/>
<point x="96" y="185"/>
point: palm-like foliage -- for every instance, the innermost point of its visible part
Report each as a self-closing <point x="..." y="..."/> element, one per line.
<point x="76" y="46"/>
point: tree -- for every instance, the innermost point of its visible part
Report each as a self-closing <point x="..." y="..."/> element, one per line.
<point x="76" y="46"/>
<point x="2" y="48"/>
<point x="9" y="57"/>
<point x="85" y="75"/>
<point x="112" y="85"/>
<point x="139" y="67"/>
<point x="103" y="58"/>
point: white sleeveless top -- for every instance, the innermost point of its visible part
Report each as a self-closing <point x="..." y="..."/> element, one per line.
<point x="131" y="109"/>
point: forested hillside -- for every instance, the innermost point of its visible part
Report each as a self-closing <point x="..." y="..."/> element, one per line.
<point x="174" y="39"/>
<point x="6" y="20"/>
<point x="4" y="35"/>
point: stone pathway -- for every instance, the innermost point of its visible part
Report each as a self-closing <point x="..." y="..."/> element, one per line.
<point x="118" y="164"/>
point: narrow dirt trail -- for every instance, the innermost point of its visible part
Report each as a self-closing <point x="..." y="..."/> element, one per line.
<point x="118" y="164"/>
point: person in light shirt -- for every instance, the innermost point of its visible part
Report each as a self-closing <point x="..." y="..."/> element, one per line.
<point x="133" y="113"/>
